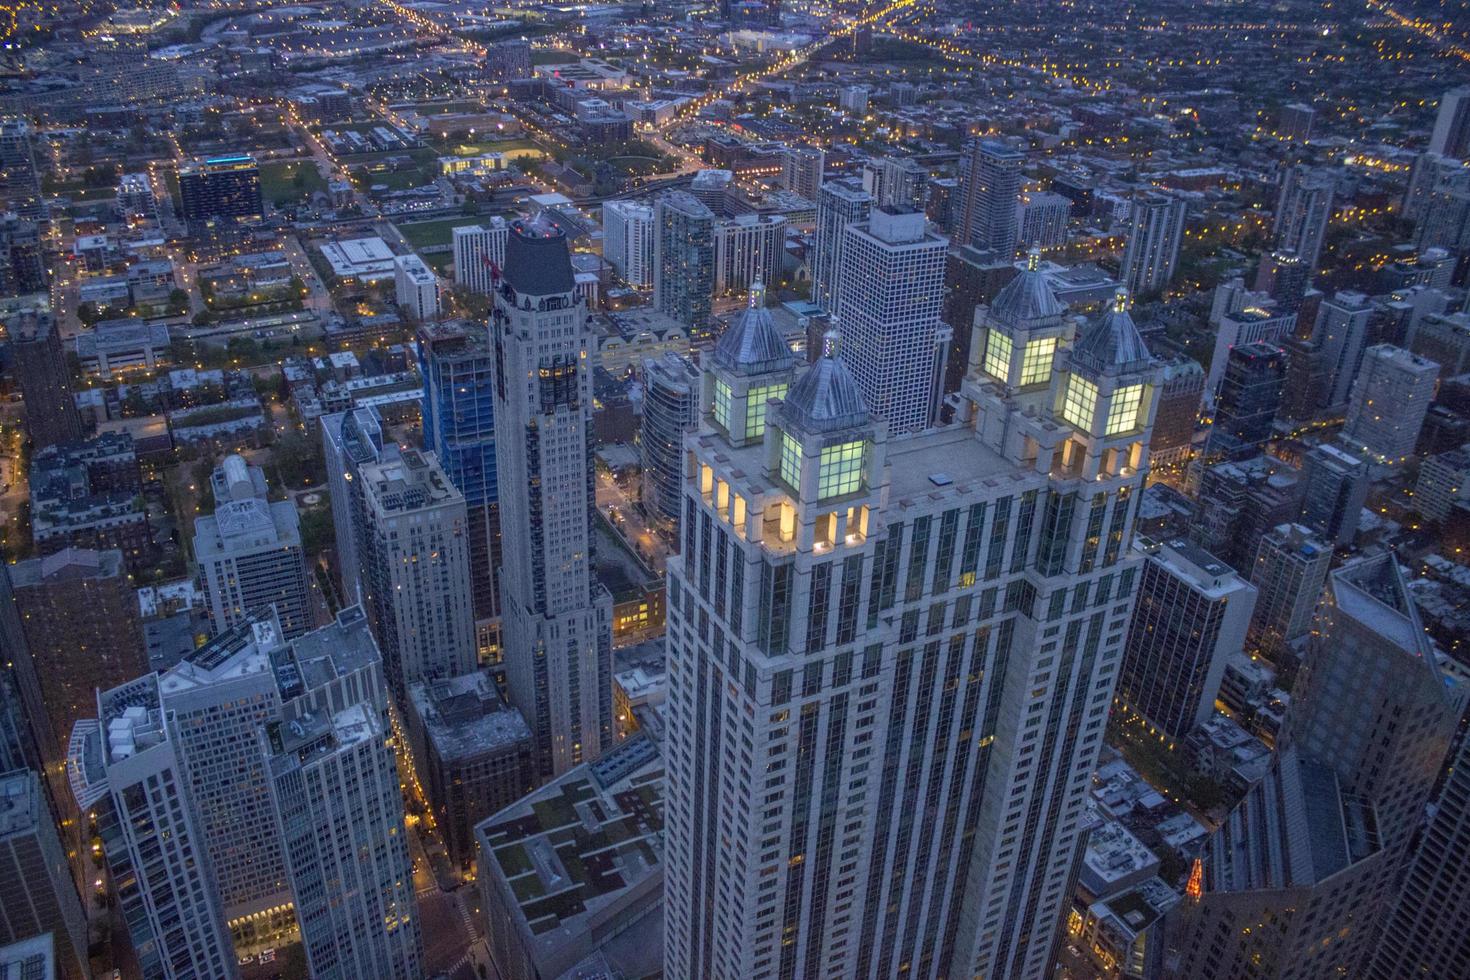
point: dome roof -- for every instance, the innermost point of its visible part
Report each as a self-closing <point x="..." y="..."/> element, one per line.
<point x="826" y="397"/>
<point x="752" y="344"/>
<point x="1028" y="297"/>
<point x="1112" y="341"/>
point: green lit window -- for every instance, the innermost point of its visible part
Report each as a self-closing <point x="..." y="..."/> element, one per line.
<point x="722" y="405"/>
<point x="791" y="460"/>
<point x="998" y="349"/>
<point x="1123" y="416"/>
<point x="1036" y="362"/>
<point x="1080" y="402"/>
<point x="841" y="470"/>
<point x="755" y="408"/>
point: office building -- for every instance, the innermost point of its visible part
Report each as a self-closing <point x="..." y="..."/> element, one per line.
<point x="1444" y="481"/>
<point x="1189" y="618"/>
<point x="350" y="440"/>
<point x="40" y="367"/>
<point x="1248" y="325"/>
<point x="840" y="203"/>
<point x="1451" y="136"/>
<point x="249" y="552"/>
<point x="990" y="187"/>
<point x="881" y="764"/>
<point x="472" y="752"/>
<point x="628" y="241"/>
<point x="1303" y="209"/>
<point x="890" y="292"/>
<point x="1388" y="403"/>
<point x="38" y="896"/>
<point x="1289" y="573"/>
<point x="1155" y="231"/>
<point x="479" y="250"/>
<point x="801" y="170"/>
<point x="416" y="288"/>
<point x="557" y="618"/>
<point x="80" y="617"/>
<point x="458" y="413"/>
<point x="670" y="409"/>
<point x="896" y="182"/>
<point x="1299" y="879"/>
<point x="1250" y="394"/>
<point x="413" y="548"/>
<point x="1333" y="488"/>
<point x="220" y="194"/>
<point x="20" y="181"/>
<point x="684" y="259"/>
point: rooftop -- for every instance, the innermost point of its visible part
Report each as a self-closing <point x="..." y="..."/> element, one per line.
<point x="465" y="717"/>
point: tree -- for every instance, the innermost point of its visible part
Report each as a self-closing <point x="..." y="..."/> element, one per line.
<point x="88" y="313"/>
<point x="178" y="302"/>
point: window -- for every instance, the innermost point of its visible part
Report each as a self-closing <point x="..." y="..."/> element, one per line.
<point x="998" y="349"/>
<point x="841" y="470"/>
<point x="1036" y="362"/>
<point x="791" y="461"/>
<point x="1123" y="415"/>
<point x="755" y="408"/>
<point x="722" y="404"/>
<point x="1080" y="402"/>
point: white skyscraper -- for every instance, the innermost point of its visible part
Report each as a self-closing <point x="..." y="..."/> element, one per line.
<point x="478" y="251"/>
<point x="249" y="552"/>
<point x="557" y="618"/>
<point x="1390" y="398"/>
<point x="840" y="203"/>
<point x="890" y="291"/>
<point x="627" y="241"/>
<point x="416" y="288"/>
<point x="1155" y="231"/>
<point x="749" y="248"/>
<point x="890" y="662"/>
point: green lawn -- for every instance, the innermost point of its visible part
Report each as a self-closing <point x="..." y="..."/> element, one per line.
<point x="289" y="181"/>
<point x="439" y="262"/>
<point x="437" y="232"/>
<point x="550" y="56"/>
<point x="399" y="180"/>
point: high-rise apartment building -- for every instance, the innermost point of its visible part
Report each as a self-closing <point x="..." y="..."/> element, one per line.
<point x="1451" y="136"/>
<point x="840" y="203"/>
<point x="37" y="893"/>
<point x="1284" y="277"/>
<point x="350" y="440"/>
<point x="1332" y="489"/>
<point x="628" y="241"/>
<point x="20" y="181"/>
<point x="896" y="182"/>
<point x="1190" y="616"/>
<point x="670" y="409"/>
<point x="1245" y="409"/>
<point x="508" y="60"/>
<point x="1155" y="232"/>
<point x="684" y="259"/>
<point x="415" y="287"/>
<point x="1389" y="400"/>
<point x="1302" y="211"/>
<point x="478" y="251"/>
<point x="890" y="660"/>
<point x="1339" y="336"/>
<point x="1180" y="394"/>
<point x="890" y="292"/>
<point x="220" y="193"/>
<point x="1444" y="481"/>
<point x="1042" y="219"/>
<point x="557" y="618"/>
<point x="40" y="368"/>
<point x="990" y="187"/>
<point x="249" y="552"/>
<point x="749" y="248"/>
<point x="801" y="170"/>
<point x="1289" y="573"/>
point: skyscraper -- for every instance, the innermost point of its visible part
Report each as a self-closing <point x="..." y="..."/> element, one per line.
<point x="1250" y="394"/>
<point x="627" y="241"/>
<point x="1302" y="211"/>
<point x="1332" y="489"/>
<point x="1189" y="617"/>
<point x="890" y="292"/>
<point x="37" y="893"/>
<point x="478" y="251"/>
<point x="1289" y="572"/>
<point x="840" y="203"/>
<point x="1389" y="400"/>
<point x="45" y="382"/>
<point x="749" y="248"/>
<point x="989" y="189"/>
<point x="1155" y="231"/>
<point x="249" y="551"/>
<point x="890" y="661"/>
<point x="219" y="194"/>
<point x="20" y="181"/>
<point x="416" y="288"/>
<point x="684" y="263"/>
<point x="801" y="170"/>
<point x="1340" y="334"/>
<point x="558" y="619"/>
<point x="1284" y="277"/>
<point x="350" y="440"/>
<point x="670" y="408"/>
<point x="896" y="182"/>
<point x="458" y="370"/>
<point x="1451" y="136"/>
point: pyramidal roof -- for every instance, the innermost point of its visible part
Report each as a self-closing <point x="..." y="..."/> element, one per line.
<point x="1112" y="341"/>
<point x="1028" y="297"/>
<point x="826" y="397"/>
<point x="752" y="344"/>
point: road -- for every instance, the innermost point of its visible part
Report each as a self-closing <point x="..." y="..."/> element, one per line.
<point x="650" y="546"/>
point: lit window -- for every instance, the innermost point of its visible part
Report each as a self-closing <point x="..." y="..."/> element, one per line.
<point x="1123" y="416"/>
<point x="791" y="460"/>
<point x="841" y="470"/>
<point x="1036" y="362"/>
<point x="1080" y="402"/>
<point x="998" y="355"/>
<point x="755" y="408"/>
<point x="722" y="405"/>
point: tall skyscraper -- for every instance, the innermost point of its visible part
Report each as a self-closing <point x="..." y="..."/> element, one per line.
<point x="558" y="619"/>
<point x="478" y="251"/>
<point x="749" y="248"/>
<point x="249" y="551"/>
<point x="989" y="189"/>
<point x="684" y="263"/>
<point x="896" y="182"/>
<point x="1451" y="136"/>
<point x="350" y="440"/>
<point x="1298" y="880"/>
<point x="1155" y="231"/>
<point x="890" y="663"/>
<point x="1340" y="335"/>
<point x="801" y="170"/>
<point x="1289" y="572"/>
<point x="37" y="893"/>
<point x="20" y="181"/>
<point x="1389" y="400"/>
<point x="670" y="409"/>
<point x="45" y="382"/>
<point x="1284" y="277"/>
<point x="628" y="241"/>
<point x="458" y="370"/>
<point x="840" y="203"/>
<point x="1332" y="489"/>
<point x="1189" y="618"/>
<point x="1245" y="409"/>
<point x="508" y="60"/>
<point x="890" y="292"/>
<point x="1302" y="211"/>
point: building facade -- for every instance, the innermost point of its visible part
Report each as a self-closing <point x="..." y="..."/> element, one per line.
<point x="840" y="203"/>
<point x="478" y="251"/>
<point x="628" y="241"/>
<point x="1389" y="400"/>
<point x="1155" y="231"/>
<point x="670" y="408"/>
<point x="1289" y="573"/>
<point x="684" y="263"/>
<point x="990" y="188"/>
<point x="45" y="382"/>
